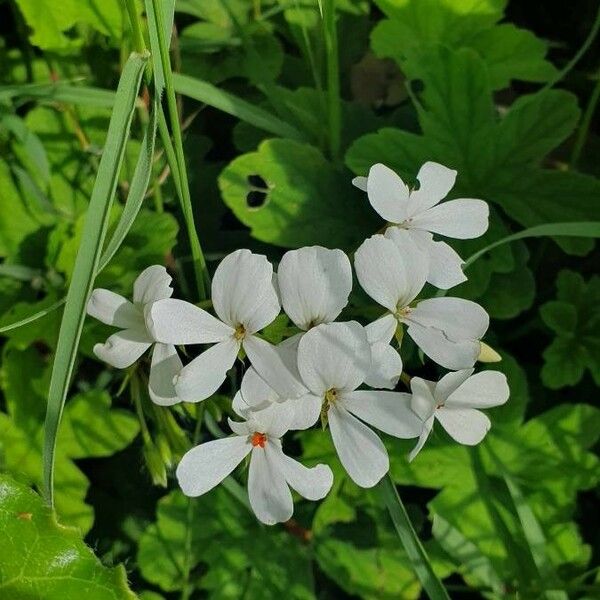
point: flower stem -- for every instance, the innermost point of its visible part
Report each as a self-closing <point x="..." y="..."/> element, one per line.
<point x="333" y="78"/>
<point x="586" y="121"/>
<point x="200" y="269"/>
<point x="413" y="546"/>
<point x="187" y="587"/>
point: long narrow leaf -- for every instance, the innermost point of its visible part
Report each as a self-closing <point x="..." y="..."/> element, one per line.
<point x="59" y="92"/>
<point x="408" y="536"/>
<point x="583" y="229"/>
<point x="88" y="256"/>
<point x="232" y="105"/>
<point x="137" y="189"/>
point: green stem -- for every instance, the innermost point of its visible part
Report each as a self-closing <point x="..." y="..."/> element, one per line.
<point x="408" y="536"/>
<point x="582" y="50"/>
<point x="200" y="269"/>
<point x="138" y="38"/>
<point x="584" y="127"/>
<point x="333" y="78"/>
<point x="187" y="589"/>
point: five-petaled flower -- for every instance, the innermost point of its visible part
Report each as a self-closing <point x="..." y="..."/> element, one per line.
<point x="418" y="214"/>
<point x="393" y="272"/>
<point x="123" y="348"/>
<point x="245" y="300"/>
<point x="454" y="401"/>
<point x="333" y="360"/>
<point x="271" y="472"/>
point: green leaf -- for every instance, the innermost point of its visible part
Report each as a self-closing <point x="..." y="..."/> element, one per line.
<point x="369" y="573"/>
<point x="226" y="537"/>
<point x="549" y="478"/>
<point x="304" y="201"/>
<point x="40" y="558"/>
<point x="49" y="25"/>
<point x="89" y="255"/>
<point x="415" y="26"/>
<point x="497" y="158"/>
<point x="90" y="428"/>
<point x="575" y="319"/>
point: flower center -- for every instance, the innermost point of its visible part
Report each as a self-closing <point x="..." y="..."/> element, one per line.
<point x="258" y="439"/>
<point x="402" y="312"/>
<point x="331" y="396"/>
<point x="240" y="332"/>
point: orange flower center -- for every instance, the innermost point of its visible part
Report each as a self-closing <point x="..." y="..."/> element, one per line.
<point x="258" y="439"/>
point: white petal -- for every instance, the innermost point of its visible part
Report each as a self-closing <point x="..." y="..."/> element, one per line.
<point x="360" y="183"/>
<point x="112" y="309"/>
<point x="445" y="266"/>
<point x="123" y="348"/>
<point x="386" y="367"/>
<point x="271" y="365"/>
<point x="422" y="401"/>
<point x="334" y="355"/>
<point x="466" y="425"/>
<point x="483" y="390"/>
<point x="311" y="483"/>
<point x="441" y="349"/>
<point x="382" y="272"/>
<point x="388" y="194"/>
<point x="204" y="375"/>
<point x="463" y="219"/>
<point x="427" y="427"/>
<point x="269" y="494"/>
<point x="153" y="283"/>
<point x="243" y="291"/>
<point x="414" y="257"/>
<point x="256" y="392"/>
<point x="179" y="322"/>
<point x="435" y="182"/>
<point x="458" y="318"/>
<point x="206" y="465"/>
<point x="307" y="410"/>
<point x="240" y="428"/>
<point x="165" y="365"/>
<point x="361" y="452"/>
<point x="381" y="330"/>
<point x="450" y="382"/>
<point x="274" y="420"/>
<point x="314" y="284"/>
<point x="390" y="412"/>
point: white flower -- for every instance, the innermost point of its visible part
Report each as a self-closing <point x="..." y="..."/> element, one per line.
<point x="245" y="300"/>
<point x="454" y="401"/>
<point x="393" y="272"/>
<point x="420" y="214"/>
<point x="271" y="472"/>
<point x="123" y="348"/>
<point x="333" y="360"/>
<point x="314" y="285"/>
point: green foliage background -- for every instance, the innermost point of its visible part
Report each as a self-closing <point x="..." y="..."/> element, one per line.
<point x="271" y="146"/>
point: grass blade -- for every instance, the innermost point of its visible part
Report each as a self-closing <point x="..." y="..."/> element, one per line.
<point x="137" y="189"/>
<point x="533" y="534"/>
<point x="334" y="115"/>
<point x="59" y="92"/>
<point x="88" y="256"/>
<point x="583" y="229"/>
<point x="232" y="105"/>
<point x="157" y="21"/>
<point x="408" y="536"/>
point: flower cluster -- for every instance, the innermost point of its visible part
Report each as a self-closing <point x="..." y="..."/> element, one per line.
<point x="342" y="373"/>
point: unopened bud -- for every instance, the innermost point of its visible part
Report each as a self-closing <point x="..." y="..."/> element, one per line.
<point x="487" y="354"/>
